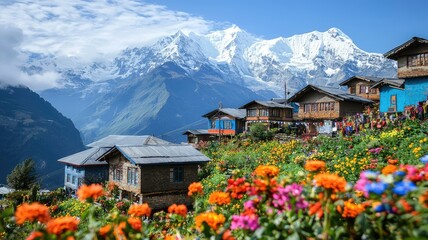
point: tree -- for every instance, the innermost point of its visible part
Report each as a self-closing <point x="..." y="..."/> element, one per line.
<point x="23" y="176"/>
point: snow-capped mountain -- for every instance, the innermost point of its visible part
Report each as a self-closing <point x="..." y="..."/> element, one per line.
<point x="211" y="64"/>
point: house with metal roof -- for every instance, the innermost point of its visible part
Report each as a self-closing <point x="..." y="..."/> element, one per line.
<point x="225" y="121"/>
<point x="158" y="174"/>
<point x="272" y="113"/>
<point x="327" y="103"/>
<point x="362" y="86"/>
<point x="83" y="167"/>
<point x="411" y="89"/>
<point x="194" y="137"/>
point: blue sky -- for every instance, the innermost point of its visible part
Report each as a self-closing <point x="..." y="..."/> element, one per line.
<point x="374" y="25"/>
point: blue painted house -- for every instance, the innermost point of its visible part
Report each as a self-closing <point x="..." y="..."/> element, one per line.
<point x="226" y="121"/>
<point x="411" y="88"/>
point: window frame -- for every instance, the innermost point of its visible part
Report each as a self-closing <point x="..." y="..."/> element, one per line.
<point x="176" y="174"/>
<point x="393" y="100"/>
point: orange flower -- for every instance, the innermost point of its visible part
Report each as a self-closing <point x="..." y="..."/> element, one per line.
<point x="111" y="186"/>
<point x="266" y="171"/>
<point x="92" y="191"/>
<point x="352" y="210"/>
<point x="330" y="181"/>
<point x="35" y="235"/>
<point x="423" y="199"/>
<point x="139" y="210"/>
<point x="393" y="161"/>
<point x="135" y="223"/>
<point x="316" y="208"/>
<point x="195" y="188"/>
<point x="227" y="235"/>
<point x="389" y="169"/>
<point x="315" y="165"/>
<point x="405" y="205"/>
<point x="169" y="237"/>
<point x="219" y="198"/>
<point x="213" y="220"/>
<point x="118" y="231"/>
<point x="32" y="212"/>
<point x="105" y="230"/>
<point x="178" y="209"/>
<point x="62" y="224"/>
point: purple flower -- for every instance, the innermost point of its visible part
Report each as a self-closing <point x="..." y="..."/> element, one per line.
<point x="403" y="187"/>
<point x="250" y="222"/>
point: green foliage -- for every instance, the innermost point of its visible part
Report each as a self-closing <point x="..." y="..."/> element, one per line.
<point x="260" y="132"/>
<point x="23" y="176"/>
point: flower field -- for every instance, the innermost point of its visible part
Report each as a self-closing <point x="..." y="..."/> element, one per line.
<point x="369" y="186"/>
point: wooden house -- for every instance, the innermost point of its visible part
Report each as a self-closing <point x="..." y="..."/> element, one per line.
<point x="83" y="167"/>
<point x="225" y="121"/>
<point x="156" y="173"/>
<point x="412" y="61"/>
<point x="272" y="113"/>
<point x="195" y="136"/>
<point x="327" y="103"/>
<point x="362" y="86"/>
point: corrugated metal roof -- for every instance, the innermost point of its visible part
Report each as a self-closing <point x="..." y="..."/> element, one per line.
<point x="86" y="157"/>
<point x="365" y="78"/>
<point x="126" y="140"/>
<point x="335" y="93"/>
<point x="161" y="154"/>
<point x="197" y="132"/>
<point x="393" y="82"/>
<point x="237" y="113"/>
<point x="392" y="54"/>
<point x="273" y="104"/>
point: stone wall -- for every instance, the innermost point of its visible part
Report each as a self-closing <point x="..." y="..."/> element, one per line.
<point x="163" y="201"/>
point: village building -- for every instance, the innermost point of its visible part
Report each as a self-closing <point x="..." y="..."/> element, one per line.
<point x="412" y="61"/>
<point x="196" y="136"/>
<point x="362" y="87"/>
<point x="155" y="173"/>
<point x="271" y="113"/>
<point x="83" y="167"/>
<point x="320" y="106"/>
<point x="225" y="121"/>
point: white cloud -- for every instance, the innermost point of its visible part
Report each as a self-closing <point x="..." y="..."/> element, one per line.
<point x="11" y="59"/>
<point x="94" y="29"/>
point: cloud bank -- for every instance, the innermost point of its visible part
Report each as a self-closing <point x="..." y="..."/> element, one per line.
<point x="91" y="30"/>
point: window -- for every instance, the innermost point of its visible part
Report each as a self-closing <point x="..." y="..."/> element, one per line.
<point x="176" y="174"/>
<point x="132" y="175"/>
<point x="364" y="89"/>
<point x="373" y="90"/>
<point x="322" y="106"/>
<point x="68" y="177"/>
<point x="79" y="181"/>
<point x="212" y="124"/>
<point x="276" y="112"/>
<point x="314" y="107"/>
<point x="227" y="124"/>
<point x="353" y="90"/>
<point x="307" y="107"/>
<point x="393" y="100"/>
<point x="263" y="112"/>
<point x="331" y="106"/>
<point x="417" y="60"/>
<point x="73" y="180"/>
<point x="117" y="174"/>
<point x="252" y="112"/>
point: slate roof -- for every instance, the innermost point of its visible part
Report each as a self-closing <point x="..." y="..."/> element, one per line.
<point x="197" y="132"/>
<point x="236" y="113"/>
<point x="272" y="104"/>
<point x="364" y="78"/>
<point x="393" y="82"/>
<point x="393" y="53"/>
<point x="100" y="147"/>
<point x="335" y="93"/>
<point x="160" y="154"/>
